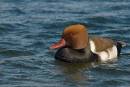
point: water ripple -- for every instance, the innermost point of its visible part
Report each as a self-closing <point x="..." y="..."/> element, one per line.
<point x="29" y="27"/>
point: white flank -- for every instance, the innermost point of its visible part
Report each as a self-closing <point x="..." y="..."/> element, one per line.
<point x="112" y="52"/>
<point x="92" y="46"/>
<point x="108" y="54"/>
<point x="104" y="56"/>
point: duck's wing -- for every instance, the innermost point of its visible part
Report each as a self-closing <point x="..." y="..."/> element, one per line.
<point x="99" y="44"/>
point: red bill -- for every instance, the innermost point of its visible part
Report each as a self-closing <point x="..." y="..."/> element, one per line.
<point x="59" y="44"/>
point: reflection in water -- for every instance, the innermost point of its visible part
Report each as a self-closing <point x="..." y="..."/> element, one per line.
<point x="75" y="72"/>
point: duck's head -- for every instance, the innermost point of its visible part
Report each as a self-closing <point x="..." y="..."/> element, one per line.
<point x="74" y="36"/>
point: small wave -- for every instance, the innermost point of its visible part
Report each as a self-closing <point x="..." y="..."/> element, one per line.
<point x="5" y="27"/>
<point x="15" y="53"/>
<point x="111" y="71"/>
<point x="23" y="64"/>
<point x="114" y="82"/>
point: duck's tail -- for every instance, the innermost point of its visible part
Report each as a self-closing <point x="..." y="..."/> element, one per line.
<point x="121" y="44"/>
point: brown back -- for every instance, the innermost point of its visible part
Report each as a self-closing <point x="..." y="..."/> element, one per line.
<point x="102" y="44"/>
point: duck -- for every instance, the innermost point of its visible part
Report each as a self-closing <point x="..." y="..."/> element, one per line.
<point x="75" y="46"/>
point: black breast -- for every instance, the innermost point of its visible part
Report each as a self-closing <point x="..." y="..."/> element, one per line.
<point x="75" y="56"/>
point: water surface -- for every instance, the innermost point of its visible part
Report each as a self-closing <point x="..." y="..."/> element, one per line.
<point x="29" y="27"/>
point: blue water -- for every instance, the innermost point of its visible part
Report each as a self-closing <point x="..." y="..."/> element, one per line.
<point x="29" y="27"/>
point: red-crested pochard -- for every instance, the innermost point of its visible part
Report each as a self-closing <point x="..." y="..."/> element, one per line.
<point x="76" y="46"/>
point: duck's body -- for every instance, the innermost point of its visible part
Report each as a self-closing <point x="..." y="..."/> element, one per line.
<point x="78" y="56"/>
<point x="95" y="52"/>
<point x="76" y="46"/>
